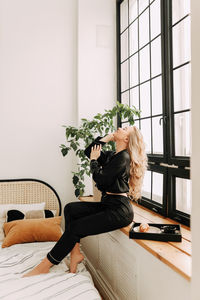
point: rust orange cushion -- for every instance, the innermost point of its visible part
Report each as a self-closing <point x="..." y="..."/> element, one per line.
<point x="32" y="230"/>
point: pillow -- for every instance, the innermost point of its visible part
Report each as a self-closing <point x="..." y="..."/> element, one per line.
<point x="32" y="230"/>
<point x="37" y="214"/>
<point x="22" y="207"/>
<point x="13" y="215"/>
<point x="2" y="221"/>
<point x="34" y="214"/>
<point x="49" y="213"/>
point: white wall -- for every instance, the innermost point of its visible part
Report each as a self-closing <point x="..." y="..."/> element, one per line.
<point x="57" y="65"/>
<point x="50" y="76"/>
<point x="96" y="59"/>
<point x="96" y="56"/>
<point x="38" y="89"/>
<point x="195" y="151"/>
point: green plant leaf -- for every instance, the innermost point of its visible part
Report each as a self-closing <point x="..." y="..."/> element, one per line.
<point x="74" y="145"/>
<point x="82" y="172"/>
<point x="65" y="151"/>
<point x="75" y="179"/>
<point x="77" y="192"/>
<point x="81" y="192"/>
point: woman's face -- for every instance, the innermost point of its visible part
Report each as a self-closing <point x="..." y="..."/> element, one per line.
<point x="122" y="133"/>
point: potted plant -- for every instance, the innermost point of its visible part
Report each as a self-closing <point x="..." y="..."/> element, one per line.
<point x="78" y="138"/>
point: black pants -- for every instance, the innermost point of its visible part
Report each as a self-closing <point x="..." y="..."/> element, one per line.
<point x="91" y="218"/>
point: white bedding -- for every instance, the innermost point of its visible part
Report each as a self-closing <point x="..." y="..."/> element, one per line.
<point x="58" y="284"/>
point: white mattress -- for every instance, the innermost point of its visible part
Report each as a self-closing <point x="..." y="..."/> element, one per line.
<point x="57" y="284"/>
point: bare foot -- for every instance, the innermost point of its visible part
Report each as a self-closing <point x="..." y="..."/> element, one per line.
<point x="75" y="259"/>
<point x="42" y="268"/>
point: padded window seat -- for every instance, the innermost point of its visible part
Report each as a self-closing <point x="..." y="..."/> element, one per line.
<point x="177" y="255"/>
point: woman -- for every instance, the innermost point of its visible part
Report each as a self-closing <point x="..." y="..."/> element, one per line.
<point x="116" y="174"/>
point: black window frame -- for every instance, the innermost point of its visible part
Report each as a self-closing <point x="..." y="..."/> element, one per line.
<point x="168" y="164"/>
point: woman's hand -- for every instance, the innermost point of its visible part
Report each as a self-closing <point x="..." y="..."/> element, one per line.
<point x="95" y="152"/>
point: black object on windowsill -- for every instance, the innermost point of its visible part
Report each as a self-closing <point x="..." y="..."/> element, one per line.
<point x="157" y="232"/>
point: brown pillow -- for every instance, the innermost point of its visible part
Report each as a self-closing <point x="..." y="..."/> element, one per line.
<point x="32" y="230"/>
<point x="35" y="214"/>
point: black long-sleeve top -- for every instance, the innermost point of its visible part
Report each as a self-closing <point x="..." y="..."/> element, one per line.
<point x="111" y="170"/>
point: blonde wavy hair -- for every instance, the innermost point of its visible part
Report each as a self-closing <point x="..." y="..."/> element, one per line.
<point x="138" y="165"/>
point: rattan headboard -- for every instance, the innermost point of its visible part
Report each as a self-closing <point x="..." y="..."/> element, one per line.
<point x="22" y="191"/>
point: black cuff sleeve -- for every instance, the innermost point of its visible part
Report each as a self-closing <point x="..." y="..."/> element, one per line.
<point x="95" y="142"/>
<point x="94" y="165"/>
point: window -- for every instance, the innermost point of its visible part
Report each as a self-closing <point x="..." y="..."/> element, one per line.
<point x="154" y="75"/>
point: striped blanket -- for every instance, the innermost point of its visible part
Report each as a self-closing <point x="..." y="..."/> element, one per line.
<point x="57" y="284"/>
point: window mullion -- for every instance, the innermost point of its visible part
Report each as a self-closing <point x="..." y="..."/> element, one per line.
<point x="150" y="81"/>
<point x="118" y="46"/>
<point x="170" y="129"/>
<point x="165" y="40"/>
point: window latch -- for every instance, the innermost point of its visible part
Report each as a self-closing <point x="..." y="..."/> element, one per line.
<point x="164" y="118"/>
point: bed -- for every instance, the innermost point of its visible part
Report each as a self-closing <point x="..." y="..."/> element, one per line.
<point x="20" y="256"/>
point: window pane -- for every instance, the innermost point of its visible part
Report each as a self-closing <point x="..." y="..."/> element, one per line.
<point x="134" y="97"/>
<point x="142" y="5"/>
<point x="157" y="135"/>
<point x="181" y="42"/>
<point x="123" y="15"/>
<point x="145" y="99"/>
<point x="134" y="70"/>
<point x="146" y="132"/>
<point x="124" y="45"/>
<point x="136" y="124"/>
<point x="156" y="57"/>
<point x="125" y="98"/>
<point x="133" y="37"/>
<point x="124" y="76"/>
<point x="144" y="64"/>
<point x="182" y="134"/>
<point x="126" y="123"/>
<point x="180" y="8"/>
<point x="157" y="190"/>
<point x="146" y="187"/>
<point x="183" y="195"/>
<point x="144" y="28"/>
<point x="155" y="19"/>
<point x="182" y="88"/>
<point x="133" y="12"/>
<point x="156" y="86"/>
